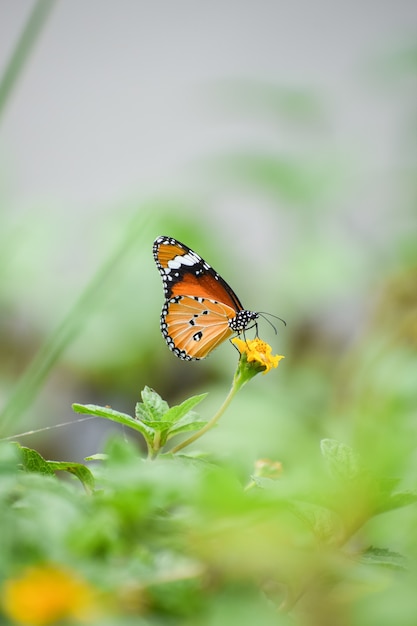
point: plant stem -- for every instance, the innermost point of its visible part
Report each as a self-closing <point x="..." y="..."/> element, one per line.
<point x="236" y="385"/>
<point x="20" y="55"/>
<point x="88" y="302"/>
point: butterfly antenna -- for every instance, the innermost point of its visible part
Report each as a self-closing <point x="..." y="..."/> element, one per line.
<point x="266" y="317"/>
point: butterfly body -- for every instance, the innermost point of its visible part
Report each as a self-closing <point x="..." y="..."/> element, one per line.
<point x="200" y="310"/>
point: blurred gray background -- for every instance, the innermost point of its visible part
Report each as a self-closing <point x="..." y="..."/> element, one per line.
<point x="116" y="100"/>
<point x="277" y="138"/>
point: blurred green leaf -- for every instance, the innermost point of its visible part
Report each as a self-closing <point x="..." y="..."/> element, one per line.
<point x="298" y="105"/>
<point x="397" y="64"/>
<point x="33" y="28"/>
<point x="341" y="460"/>
<point x="31" y="381"/>
<point x="384" y="558"/>
<point x="77" y="469"/>
<point x="294" y="181"/>
<point x="396" y="500"/>
<point x="324" y="522"/>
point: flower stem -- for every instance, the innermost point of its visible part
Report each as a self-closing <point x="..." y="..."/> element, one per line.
<point x="236" y="385"/>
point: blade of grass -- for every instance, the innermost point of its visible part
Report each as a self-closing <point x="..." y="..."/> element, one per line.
<point x="30" y="33"/>
<point x="30" y="383"/>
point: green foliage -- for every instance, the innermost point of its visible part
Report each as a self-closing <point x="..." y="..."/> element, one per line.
<point x="153" y="418"/>
<point x="172" y="537"/>
<point x="32" y="461"/>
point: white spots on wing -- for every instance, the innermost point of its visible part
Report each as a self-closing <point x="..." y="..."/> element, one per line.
<point x="173" y="264"/>
<point x="189" y="259"/>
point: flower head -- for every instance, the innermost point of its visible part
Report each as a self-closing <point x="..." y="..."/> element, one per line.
<point x="46" y="594"/>
<point x="265" y="468"/>
<point x="257" y="354"/>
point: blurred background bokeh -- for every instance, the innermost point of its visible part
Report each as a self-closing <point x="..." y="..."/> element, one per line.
<point x="276" y="139"/>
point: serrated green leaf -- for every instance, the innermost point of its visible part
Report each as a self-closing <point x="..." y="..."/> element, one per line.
<point x="183" y="428"/>
<point x="190" y="421"/>
<point x="34" y="462"/>
<point x="176" y="413"/>
<point x="383" y="558"/>
<point x="100" y="411"/>
<point x="115" y="416"/>
<point x="153" y="407"/>
<point x="77" y="469"/>
<point x="141" y="413"/>
<point x="341" y="460"/>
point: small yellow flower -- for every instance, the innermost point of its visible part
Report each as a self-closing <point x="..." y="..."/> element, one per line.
<point x="265" y="468"/>
<point x="257" y="352"/>
<point x="45" y="594"/>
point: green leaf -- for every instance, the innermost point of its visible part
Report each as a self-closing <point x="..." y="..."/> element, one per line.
<point x="324" y="522"/>
<point x="383" y="557"/>
<point x="115" y="416"/>
<point x="341" y="460"/>
<point x="184" y="428"/>
<point x="99" y="456"/>
<point x="160" y="427"/>
<point x="154" y="419"/>
<point x="396" y="501"/>
<point x="34" y="462"/>
<point x="176" y="413"/>
<point x="77" y="469"/>
<point x="189" y="422"/>
<point x="153" y="407"/>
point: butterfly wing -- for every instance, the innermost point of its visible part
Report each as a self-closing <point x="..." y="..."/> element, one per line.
<point x="185" y="273"/>
<point x="201" y="310"/>
<point x="194" y="326"/>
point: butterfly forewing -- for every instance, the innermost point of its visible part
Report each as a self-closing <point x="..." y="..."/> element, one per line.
<point x="185" y="273"/>
<point x="201" y="310"/>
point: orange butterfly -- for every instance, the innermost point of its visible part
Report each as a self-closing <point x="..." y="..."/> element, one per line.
<point x="200" y="310"/>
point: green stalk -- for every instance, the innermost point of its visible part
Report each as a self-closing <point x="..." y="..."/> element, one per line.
<point x="27" y="39"/>
<point x="238" y="382"/>
<point x="32" y="379"/>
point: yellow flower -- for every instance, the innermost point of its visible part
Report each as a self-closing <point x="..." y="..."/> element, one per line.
<point x="257" y="352"/>
<point x="265" y="468"/>
<point x="45" y="594"/>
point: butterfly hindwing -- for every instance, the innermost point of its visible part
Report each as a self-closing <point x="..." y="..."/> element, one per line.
<point x="201" y="310"/>
<point x="194" y="326"/>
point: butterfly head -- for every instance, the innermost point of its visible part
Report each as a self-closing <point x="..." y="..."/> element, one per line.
<point x="242" y="320"/>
